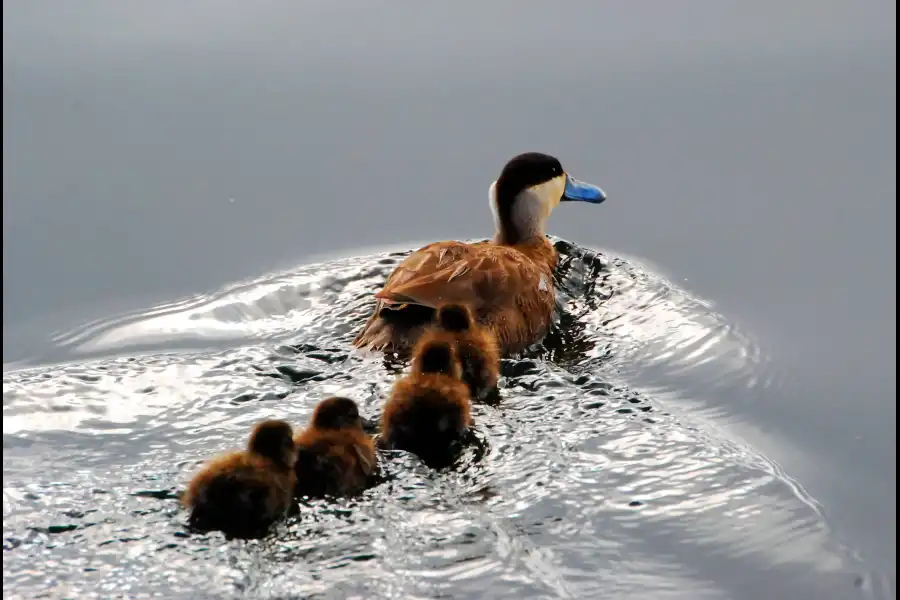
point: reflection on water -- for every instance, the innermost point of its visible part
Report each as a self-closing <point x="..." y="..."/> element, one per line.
<point x="591" y="479"/>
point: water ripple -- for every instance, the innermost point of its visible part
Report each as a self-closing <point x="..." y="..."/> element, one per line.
<point x="603" y="472"/>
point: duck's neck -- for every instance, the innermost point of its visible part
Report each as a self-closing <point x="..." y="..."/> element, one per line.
<point x="517" y="226"/>
<point x="535" y="245"/>
<point x="508" y="235"/>
<point x="519" y="220"/>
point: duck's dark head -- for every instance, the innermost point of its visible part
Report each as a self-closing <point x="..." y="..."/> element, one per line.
<point x="273" y="439"/>
<point x="336" y="413"/>
<point x="530" y="186"/>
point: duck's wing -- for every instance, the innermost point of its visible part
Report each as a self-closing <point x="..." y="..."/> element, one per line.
<point x="472" y="274"/>
<point x="425" y="268"/>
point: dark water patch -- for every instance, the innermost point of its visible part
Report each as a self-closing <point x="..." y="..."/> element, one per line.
<point x="589" y="478"/>
<point x="294" y="375"/>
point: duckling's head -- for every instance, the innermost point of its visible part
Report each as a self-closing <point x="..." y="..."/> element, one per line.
<point x="336" y="413"/>
<point x="273" y="439"/>
<point x="436" y="356"/>
<point x="454" y="317"/>
<point x="530" y="186"/>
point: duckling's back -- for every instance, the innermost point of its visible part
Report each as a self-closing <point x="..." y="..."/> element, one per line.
<point x="238" y="494"/>
<point x="333" y="462"/>
<point x="427" y="415"/>
<point x="477" y="348"/>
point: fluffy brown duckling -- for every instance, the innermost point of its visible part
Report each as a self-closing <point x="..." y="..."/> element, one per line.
<point x="477" y="346"/>
<point x="335" y="457"/>
<point x="243" y="493"/>
<point x="428" y="411"/>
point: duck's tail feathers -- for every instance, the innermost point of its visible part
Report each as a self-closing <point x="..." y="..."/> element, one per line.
<point x="394" y="330"/>
<point x="454" y="317"/>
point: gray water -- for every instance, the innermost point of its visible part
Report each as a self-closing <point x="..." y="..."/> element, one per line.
<point x="714" y="418"/>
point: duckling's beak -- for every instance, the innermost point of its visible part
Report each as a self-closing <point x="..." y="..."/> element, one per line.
<point x="579" y="191"/>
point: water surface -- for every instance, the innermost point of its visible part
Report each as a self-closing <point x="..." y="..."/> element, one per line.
<point x="591" y="479"/>
<point x="158" y="154"/>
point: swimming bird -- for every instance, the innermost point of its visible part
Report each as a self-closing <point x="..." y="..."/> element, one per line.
<point x="243" y="493"/>
<point x="477" y="347"/>
<point x="335" y="457"/>
<point x="507" y="281"/>
<point x="428" y="412"/>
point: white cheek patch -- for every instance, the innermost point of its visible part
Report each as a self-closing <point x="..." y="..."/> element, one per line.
<point x="532" y="206"/>
<point x="549" y="193"/>
<point x="528" y="212"/>
<point x="492" y="202"/>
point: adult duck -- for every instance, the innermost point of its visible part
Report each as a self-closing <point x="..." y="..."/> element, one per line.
<point x="507" y="282"/>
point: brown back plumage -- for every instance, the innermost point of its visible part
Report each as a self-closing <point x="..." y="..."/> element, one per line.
<point x="508" y="288"/>
<point x="428" y="412"/>
<point x="477" y="346"/>
<point x="243" y="493"/>
<point x="335" y="457"/>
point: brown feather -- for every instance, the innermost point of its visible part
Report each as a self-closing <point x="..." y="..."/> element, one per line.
<point x="334" y="462"/>
<point x="479" y="354"/>
<point x="428" y="413"/>
<point x="241" y="493"/>
<point x="509" y="289"/>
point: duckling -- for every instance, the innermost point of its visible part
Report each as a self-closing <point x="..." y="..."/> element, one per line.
<point x="335" y="457"/>
<point x="243" y="493"/>
<point x="507" y="281"/>
<point x="477" y="348"/>
<point x="428" y="411"/>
